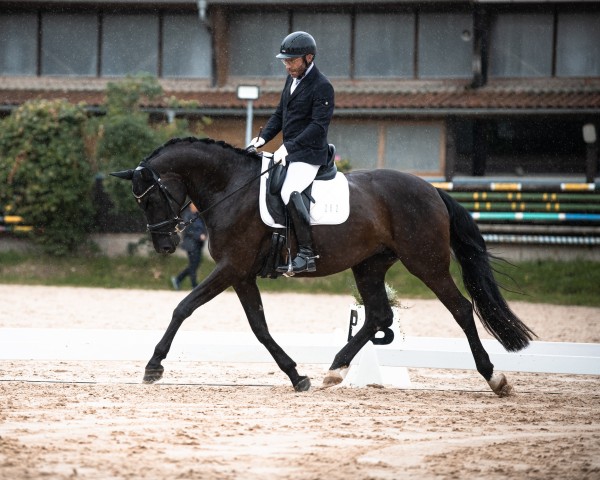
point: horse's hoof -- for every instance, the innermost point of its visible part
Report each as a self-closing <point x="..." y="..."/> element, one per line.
<point x="499" y="384"/>
<point x="333" y="377"/>
<point x="152" y="375"/>
<point x="303" y="385"/>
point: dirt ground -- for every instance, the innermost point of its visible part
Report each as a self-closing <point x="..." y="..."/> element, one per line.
<point x="96" y="420"/>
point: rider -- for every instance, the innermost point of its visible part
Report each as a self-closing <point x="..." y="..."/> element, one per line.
<point x="304" y="112"/>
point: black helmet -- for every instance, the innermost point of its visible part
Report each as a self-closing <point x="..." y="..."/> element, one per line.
<point x="297" y="44"/>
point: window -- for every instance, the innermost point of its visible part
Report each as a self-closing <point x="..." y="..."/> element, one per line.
<point x="411" y="147"/>
<point x="415" y="148"/>
<point x="521" y="45"/>
<point x="253" y="46"/>
<point x="129" y="44"/>
<point x="187" y="47"/>
<point x="332" y="34"/>
<point x="355" y="142"/>
<point x="384" y="45"/>
<point x="445" y="45"/>
<point x="18" y="44"/>
<point x="69" y="44"/>
<point x="578" y="45"/>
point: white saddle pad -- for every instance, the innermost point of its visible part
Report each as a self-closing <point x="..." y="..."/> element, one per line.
<point x="332" y="199"/>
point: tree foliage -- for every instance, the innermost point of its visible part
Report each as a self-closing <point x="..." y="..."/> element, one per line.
<point x="51" y="152"/>
<point x="45" y="176"/>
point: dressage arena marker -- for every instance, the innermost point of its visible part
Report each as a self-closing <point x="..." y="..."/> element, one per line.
<point x="413" y="352"/>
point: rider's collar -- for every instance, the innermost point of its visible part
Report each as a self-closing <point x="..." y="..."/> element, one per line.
<point x="306" y="72"/>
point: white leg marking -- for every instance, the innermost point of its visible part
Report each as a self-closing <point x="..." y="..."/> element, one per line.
<point x="335" y="377"/>
<point x="499" y="384"/>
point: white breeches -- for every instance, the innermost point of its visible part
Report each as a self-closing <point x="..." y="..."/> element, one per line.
<point x="299" y="176"/>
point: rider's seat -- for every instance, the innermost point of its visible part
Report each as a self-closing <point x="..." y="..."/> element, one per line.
<point x="325" y="172"/>
<point x="328" y="171"/>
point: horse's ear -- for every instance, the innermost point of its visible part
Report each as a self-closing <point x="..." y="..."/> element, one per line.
<point x="124" y="174"/>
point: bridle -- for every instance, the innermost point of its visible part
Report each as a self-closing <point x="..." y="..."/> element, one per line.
<point x="176" y="224"/>
<point x="173" y="225"/>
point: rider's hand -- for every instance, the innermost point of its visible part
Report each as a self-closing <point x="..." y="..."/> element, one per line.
<point x="256" y="142"/>
<point x="280" y="154"/>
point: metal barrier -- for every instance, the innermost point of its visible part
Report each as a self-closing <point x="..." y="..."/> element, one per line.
<point x="13" y="223"/>
<point x="536" y="212"/>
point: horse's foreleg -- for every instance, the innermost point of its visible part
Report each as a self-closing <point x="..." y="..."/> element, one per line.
<point x="341" y="363"/>
<point x="212" y="285"/>
<point x="249" y="296"/>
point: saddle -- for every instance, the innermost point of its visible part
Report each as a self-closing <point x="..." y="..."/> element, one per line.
<point x="276" y="178"/>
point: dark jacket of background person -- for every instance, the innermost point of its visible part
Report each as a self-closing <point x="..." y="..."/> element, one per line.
<point x="194" y="237"/>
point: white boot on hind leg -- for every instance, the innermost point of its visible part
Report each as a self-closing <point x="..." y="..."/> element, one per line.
<point x="499" y="384"/>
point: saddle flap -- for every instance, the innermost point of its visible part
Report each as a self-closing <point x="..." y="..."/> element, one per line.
<point x="276" y="177"/>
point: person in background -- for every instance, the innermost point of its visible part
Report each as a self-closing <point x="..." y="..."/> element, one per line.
<point x="194" y="237"/>
<point x="303" y="115"/>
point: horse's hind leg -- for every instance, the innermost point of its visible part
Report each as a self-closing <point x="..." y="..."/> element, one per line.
<point x="370" y="281"/>
<point x="435" y="273"/>
<point x="249" y="296"/>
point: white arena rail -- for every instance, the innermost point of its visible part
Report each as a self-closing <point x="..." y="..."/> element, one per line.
<point x="414" y="352"/>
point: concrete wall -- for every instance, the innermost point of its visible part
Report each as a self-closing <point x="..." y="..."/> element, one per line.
<point x="518" y="253"/>
<point x="120" y="244"/>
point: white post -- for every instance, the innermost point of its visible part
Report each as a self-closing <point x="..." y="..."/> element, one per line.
<point x="248" y="93"/>
<point x="249" y="115"/>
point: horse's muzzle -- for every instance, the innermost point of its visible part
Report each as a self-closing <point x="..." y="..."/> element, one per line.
<point x="165" y="245"/>
<point x="165" y="249"/>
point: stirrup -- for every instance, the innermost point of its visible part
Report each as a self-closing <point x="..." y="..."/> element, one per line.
<point x="301" y="264"/>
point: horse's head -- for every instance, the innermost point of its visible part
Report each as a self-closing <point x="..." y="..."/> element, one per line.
<point x="161" y="204"/>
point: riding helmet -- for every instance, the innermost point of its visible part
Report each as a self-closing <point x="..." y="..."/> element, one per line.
<point x="297" y="44"/>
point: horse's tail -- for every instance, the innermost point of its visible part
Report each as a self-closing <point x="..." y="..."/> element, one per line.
<point x="478" y="277"/>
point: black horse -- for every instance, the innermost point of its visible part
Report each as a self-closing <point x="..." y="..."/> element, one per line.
<point x="394" y="216"/>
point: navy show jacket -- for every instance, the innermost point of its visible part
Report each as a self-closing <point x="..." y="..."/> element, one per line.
<point x="304" y="118"/>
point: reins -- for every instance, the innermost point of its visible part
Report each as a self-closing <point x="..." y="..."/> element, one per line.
<point x="179" y="224"/>
<point x="256" y="177"/>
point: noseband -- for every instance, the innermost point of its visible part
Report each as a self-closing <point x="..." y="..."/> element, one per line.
<point x="173" y="225"/>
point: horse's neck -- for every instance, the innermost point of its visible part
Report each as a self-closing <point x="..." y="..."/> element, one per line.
<point x="209" y="172"/>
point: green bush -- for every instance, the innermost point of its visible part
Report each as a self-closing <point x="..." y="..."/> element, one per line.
<point x="50" y="152"/>
<point x="45" y="176"/>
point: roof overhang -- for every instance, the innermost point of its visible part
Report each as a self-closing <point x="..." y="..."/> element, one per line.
<point x="370" y="98"/>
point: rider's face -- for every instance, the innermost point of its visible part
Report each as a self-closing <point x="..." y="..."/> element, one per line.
<point x="296" y="66"/>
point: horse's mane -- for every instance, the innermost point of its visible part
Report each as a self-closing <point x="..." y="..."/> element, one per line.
<point x="206" y="141"/>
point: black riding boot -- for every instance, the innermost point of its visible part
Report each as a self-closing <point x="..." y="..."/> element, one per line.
<point x="305" y="258"/>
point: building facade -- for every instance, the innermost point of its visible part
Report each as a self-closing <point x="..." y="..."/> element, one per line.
<point x="441" y="89"/>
